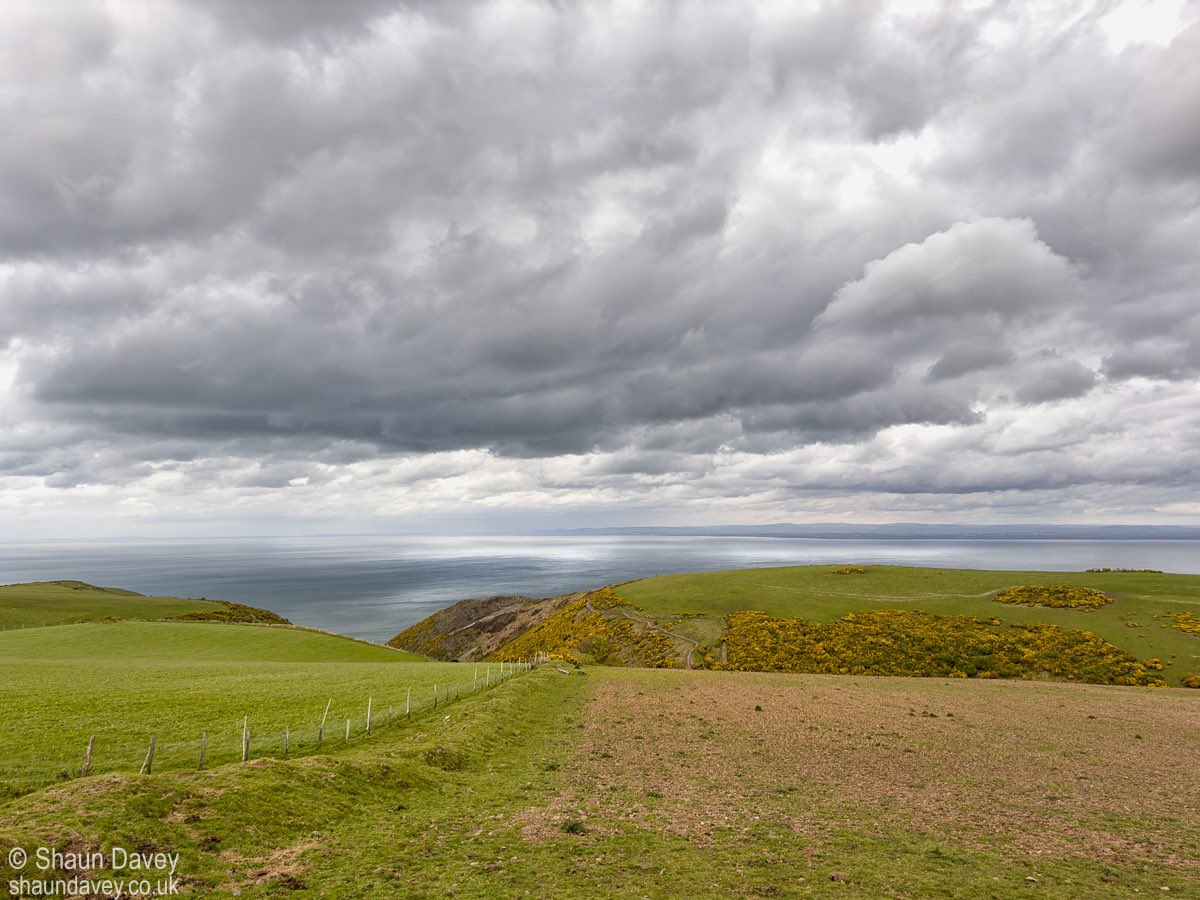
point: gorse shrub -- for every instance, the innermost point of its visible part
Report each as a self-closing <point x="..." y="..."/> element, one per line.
<point x="1186" y="621"/>
<point x="1190" y="680"/>
<point x="420" y="638"/>
<point x="900" y="642"/>
<point x="234" y="612"/>
<point x="1057" y="595"/>
<point x="850" y="570"/>
<point x="590" y="626"/>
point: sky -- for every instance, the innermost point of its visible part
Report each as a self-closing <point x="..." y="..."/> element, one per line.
<point x="300" y="266"/>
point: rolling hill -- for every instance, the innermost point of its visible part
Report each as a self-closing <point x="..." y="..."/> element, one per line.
<point x="43" y="603"/>
<point x="683" y="620"/>
<point x="124" y="682"/>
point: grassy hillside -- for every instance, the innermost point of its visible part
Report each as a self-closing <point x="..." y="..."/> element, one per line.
<point x="689" y="784"/>
<point x="63" y="602"/>
<point x="126" y="681"/>
<point x="60" y="602"/>
<point x="696" y="604"/>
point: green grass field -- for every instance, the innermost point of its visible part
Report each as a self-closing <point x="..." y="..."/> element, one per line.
<point x="818" y="594"/>
<point x="703" y="784"/>
<point x="62" y="602"/>
<point x="126" y="681"/>
<point x="579" y="783"/>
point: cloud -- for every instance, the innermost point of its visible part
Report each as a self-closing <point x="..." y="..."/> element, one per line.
<point x="970" y="355"/>
<point x="1052" y="378"/>
<point x="296" y="254"/>
<point x="995" y="270"/>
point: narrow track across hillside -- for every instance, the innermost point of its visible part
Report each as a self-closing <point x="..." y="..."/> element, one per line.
<point x="688" y="660"/>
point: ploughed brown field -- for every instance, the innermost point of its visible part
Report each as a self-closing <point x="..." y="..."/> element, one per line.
<point x="1023" y="769"/>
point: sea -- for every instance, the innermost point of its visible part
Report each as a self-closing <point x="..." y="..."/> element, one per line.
<point x="374" y="587"/>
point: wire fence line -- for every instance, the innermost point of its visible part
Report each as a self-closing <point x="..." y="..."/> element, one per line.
<point x="46" y="623"/>
<point x="329" y="729"/>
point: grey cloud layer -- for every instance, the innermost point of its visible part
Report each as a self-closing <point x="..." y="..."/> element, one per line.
<point x="297" y="237"/>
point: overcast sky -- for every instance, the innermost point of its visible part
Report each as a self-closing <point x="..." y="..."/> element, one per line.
<point x="297" y="265"/>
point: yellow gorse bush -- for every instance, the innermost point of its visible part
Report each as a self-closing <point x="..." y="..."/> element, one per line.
<point x="907" y="643"/>
<point x="1187" y="621"/>
<point x="420" y="638"/>
<point x="1057" y="595"/>
<point x="576" y="630"/>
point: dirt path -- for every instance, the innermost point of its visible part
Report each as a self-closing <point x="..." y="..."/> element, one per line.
<point x="688" y="660"/>
<point x="882" y="598"/>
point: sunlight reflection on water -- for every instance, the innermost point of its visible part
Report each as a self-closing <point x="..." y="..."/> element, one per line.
<point x="372" y="587"/>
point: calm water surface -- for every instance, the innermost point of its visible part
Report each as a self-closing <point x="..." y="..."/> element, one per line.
<point x="373" y="587"/>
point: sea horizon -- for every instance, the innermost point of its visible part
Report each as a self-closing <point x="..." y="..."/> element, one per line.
<point x="373" y="586"/>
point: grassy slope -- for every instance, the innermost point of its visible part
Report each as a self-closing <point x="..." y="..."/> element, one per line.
<point x="817" y="594"/>
<point x="126" y="681"/>
<point x="822" y="785"/>
<point x="59" y="602"/>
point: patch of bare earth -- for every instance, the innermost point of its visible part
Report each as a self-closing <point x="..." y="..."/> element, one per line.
<point x="1036" y="768"/>
<point x="282" y="869"/>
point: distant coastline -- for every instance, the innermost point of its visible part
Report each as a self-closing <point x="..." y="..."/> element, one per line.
<point x="900" y="531"/>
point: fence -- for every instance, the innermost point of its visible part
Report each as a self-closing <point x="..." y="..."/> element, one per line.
<point x="46" y="623"/>
<point x="329" y="729"/>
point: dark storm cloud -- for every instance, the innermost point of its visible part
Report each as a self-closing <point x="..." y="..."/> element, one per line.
<point x="283" y="236"/>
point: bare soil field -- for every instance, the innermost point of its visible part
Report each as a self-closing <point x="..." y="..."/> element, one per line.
<point x="1025" y="769"/>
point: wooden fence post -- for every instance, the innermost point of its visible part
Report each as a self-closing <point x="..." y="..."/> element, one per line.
<point x="203" y="749"/>
<point x="148" y="765"/>
<point x="87" y="757"/>
<point x="408" y="704"/>
<point x="287" y="739"/>
<point x="321" y="730"/>
<point x="347" y="731"/>
<point x="368" y="716"/>
<point x="245" y="738"/>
